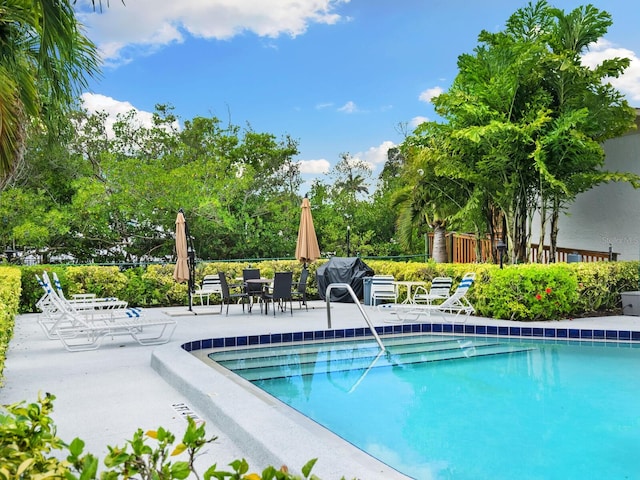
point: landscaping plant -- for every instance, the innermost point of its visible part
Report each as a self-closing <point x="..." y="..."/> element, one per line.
<point x="30" y="449"/>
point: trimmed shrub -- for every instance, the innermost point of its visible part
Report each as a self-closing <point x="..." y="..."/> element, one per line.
<point x="9" y="303"/>
<point x="527" y="293"/>
<point x="577" y="289"/>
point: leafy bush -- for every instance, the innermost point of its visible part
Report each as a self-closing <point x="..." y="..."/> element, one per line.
<point x="9" y="302"/>
<point x="597" y="285"/>
<point x="150" y="286"/>
<point x="527" y="293"/>
<point x="600" y="285"/>
<point x="30" y="448"/>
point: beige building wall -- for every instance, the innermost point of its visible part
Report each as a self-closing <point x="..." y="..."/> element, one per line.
<point x="608" y="214"/>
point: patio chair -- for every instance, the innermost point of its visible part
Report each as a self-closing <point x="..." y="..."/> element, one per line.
<point x="456" y="304"/>
<point x="87" y="300"/>
<point x="300" y="291"/>
<point x="228" y="297"/>
<point x="281" y="292"/>
<point x="87" y="335"/>
<point x="253" y="290"/>
<point x="57" y="311"/>
<point x="383" y="288"/>
<point x="440" y="289"/>
<point x="83" y="329"/>
<point x="210" y="286"/>
<point x="50" y="313"/>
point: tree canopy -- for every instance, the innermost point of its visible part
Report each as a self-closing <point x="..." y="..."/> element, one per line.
<point x="521" y="136"/>
<point x="524" y="123"/>
<point x="45" y="60"/>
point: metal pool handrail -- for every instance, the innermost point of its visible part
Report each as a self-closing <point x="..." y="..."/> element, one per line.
<point x="330" y="287"/>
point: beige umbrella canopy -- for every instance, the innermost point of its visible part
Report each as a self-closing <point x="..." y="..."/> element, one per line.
<point x="181" y="272"/>
<point x="307" y="249"/>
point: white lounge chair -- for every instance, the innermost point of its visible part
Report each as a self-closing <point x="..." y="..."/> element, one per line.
<point x="57" y="311"/>
<point x="210" y="286"/>
<point x="383" y="288"/>
<point x="53" y="313"/>
<point x="457" y="304"/>
<point x="440" y="290"/>
<point x="84" y="329"/>
<point x="87" y="300"/>
<point x="50" y="313"/>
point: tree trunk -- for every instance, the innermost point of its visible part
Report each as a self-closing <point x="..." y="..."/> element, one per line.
<point x="519" y="253"/>
<point x="439" y="253"/>
<point x="543" y="232"/>
<point x="553" y="240"/>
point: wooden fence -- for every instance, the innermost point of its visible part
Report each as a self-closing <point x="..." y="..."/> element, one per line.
<point x="463" y="248"/>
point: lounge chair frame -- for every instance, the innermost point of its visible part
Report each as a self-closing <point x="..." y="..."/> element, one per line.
<point x="83" y="329"/>
<point x="455" y="307"/>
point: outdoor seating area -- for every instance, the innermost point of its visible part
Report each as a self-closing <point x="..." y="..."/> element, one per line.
<point x="254" y="289"/>
<point x="456" y="304"/>
<point x="81" y="323"/>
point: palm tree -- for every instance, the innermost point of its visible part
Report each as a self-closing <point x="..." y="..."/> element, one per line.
<point x="352" y="181"/>
<point x="45" y="60"/>
<point x="417" y="212"/>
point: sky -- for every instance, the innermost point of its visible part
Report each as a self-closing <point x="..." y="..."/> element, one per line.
<point x="338" y="76"/>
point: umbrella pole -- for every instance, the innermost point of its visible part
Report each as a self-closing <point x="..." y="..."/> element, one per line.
<point x="191" y="260"/>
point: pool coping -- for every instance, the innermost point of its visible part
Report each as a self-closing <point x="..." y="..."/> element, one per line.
<point x="549" y="333"/>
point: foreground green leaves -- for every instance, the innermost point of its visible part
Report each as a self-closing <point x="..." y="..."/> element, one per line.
<point x="30" y="449"/>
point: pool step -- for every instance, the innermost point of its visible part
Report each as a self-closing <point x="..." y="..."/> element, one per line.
<point x="361" y="348"/>
<point x="274" y="362"/>
<point x="316" y="346"/>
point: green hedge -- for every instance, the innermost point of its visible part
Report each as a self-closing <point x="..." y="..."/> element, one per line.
<point x="517" y="292"/>
<point x="532" y="292"/>
<point x="151" y="286"/>
<point x="9" y="301"/>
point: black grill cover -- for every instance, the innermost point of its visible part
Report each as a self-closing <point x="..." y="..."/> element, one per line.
<point x="349" y="270"/>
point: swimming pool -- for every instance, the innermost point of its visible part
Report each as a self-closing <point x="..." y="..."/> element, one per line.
<point x="452" y="406"/>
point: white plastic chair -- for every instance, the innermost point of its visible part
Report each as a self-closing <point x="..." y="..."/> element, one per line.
<point x="383" y="288"/>
<point x="210" y="286"/>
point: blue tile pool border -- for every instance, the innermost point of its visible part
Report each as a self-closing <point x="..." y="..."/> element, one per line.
<point x="544" y="333"/>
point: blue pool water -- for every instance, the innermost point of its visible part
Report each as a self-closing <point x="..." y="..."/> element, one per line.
<point x="437" y="407"/>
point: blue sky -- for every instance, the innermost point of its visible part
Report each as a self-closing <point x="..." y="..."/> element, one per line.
<point x="337" y="75"/>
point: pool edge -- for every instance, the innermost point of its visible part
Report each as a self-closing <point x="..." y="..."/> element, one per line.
<point x="268" y="431"/>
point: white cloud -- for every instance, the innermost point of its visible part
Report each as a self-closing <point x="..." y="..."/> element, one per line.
<point x="375" y="155"/>
<point x="314" y="167"/>
<point x="429" y="93"/>
<point x="415" y="121"/>
<point x="629" y="82"/>
<point x="349" y="107"/>
<point x="322" y="106"/>
<point x="151" y="24"/>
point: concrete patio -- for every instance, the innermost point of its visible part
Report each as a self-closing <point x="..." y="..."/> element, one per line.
<point x="104" y="395"/>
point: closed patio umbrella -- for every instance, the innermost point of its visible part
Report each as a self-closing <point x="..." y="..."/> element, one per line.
<point x="181" y="272"/>
<point x="307" y="249"/>
<point x="185" y="263"/>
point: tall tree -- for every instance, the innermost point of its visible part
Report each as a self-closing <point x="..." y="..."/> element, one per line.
<point x="588" y="112"/>
<point x="45" y="60"/>
<point x="524" y="118"/>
